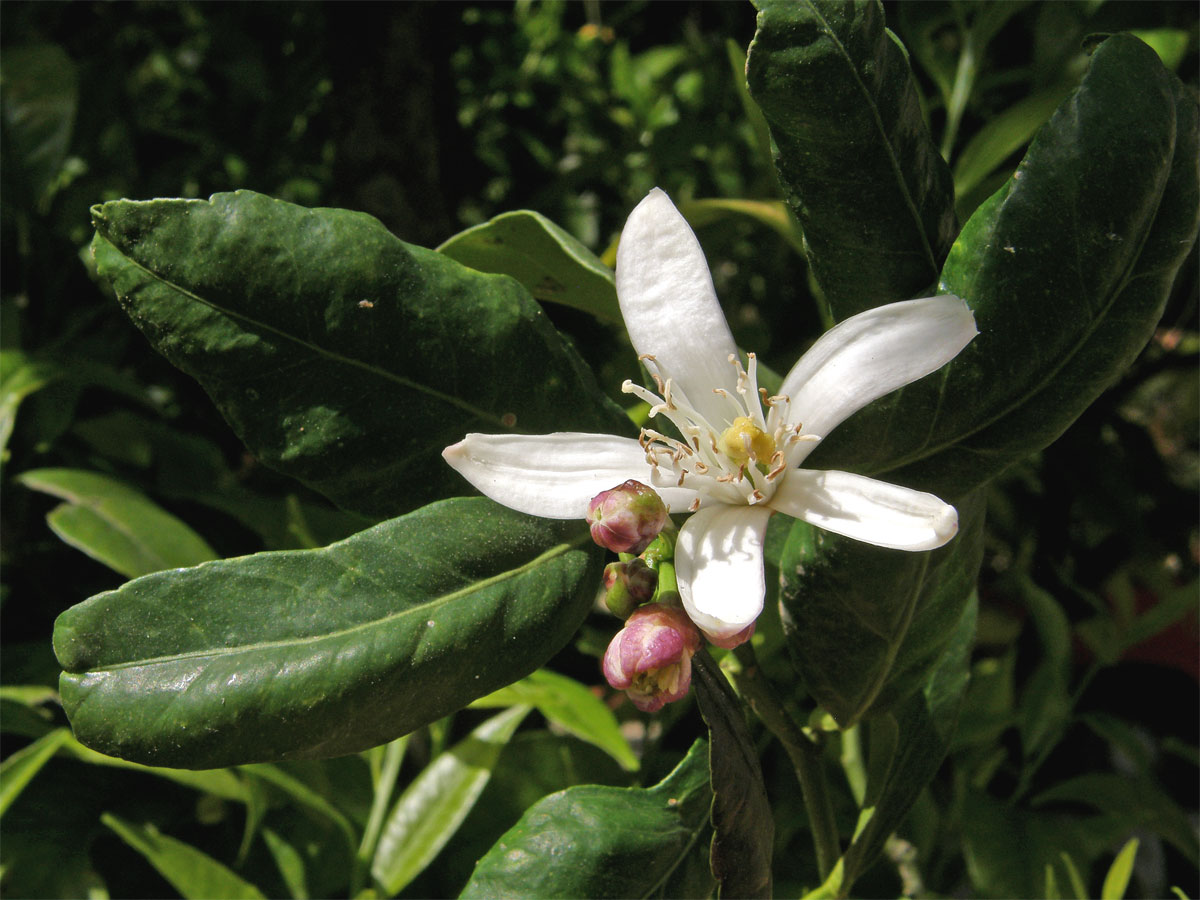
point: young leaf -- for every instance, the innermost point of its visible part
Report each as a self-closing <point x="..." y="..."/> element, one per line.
<point x="572" y="707"/>
<point x="290" y="863"/>
<point x="278" y="655"/>
<point x="866" y="625"/>
<point x="551" y="263"/>
<point x="19" y="768"/>
<point x="744" y="829"/>
<point x="1067" y="269"/>
<point x="115" y="524"/>
<point x="435" y="804"/>
<point x="592" y="841"/>
<point x="339" y="354"/>
<point x="195" y="874"/>
<point x="1117" y="878"/>
<point x="857" y="165"/>
<point x="41" y="95"/>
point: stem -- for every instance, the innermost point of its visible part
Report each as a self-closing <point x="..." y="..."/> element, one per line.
<point x="801" y="749"/>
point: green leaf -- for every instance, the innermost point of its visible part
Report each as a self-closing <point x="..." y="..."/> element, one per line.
<point x="20" y="376"/>
<point x="1045" y="708"/>
<point x="40" y="96"/>
<point x="276" y="655"/>
<point x="1139" y="801"/>
<point x="1067" y="269"/>
<point x="572" y="707"/>
<point x="20" y="767"/>
<point x="771" y="213"/>
<point x="196" y="875"/>
<point x="1004" y="134"/>
<point x="593" y="841"/>
<point x="867" y="625"/>
<point x="925" y="725"/>
<point x="290" y="863"/>
<point x="115" y="524"/>
<point x="339" y="354"/>
<point x="743" y="827"/>
<point x="435" y="804"/>
<point x="857" y="165"/>
<point x="1117" y="878"/>
<point x="222" y="783"/>
<point x="301" y="794"/>
<point x="550" y="262"/>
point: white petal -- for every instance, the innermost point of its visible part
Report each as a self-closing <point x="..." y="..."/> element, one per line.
<point x="670" y="306"/>
<point x="719" y="566"/>
<point x="872" y="354"/>
<point x="879" y="513"/>
<point x="554" y="475"/>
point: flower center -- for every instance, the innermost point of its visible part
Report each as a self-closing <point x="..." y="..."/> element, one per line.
<point x="744" y="441"/>
<point x="738" y="459"/>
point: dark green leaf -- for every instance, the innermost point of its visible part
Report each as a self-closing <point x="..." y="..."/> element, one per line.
<point x="40" y="95"/>
<point x="924" y="727"/>
<point x="277" y="655"/>
<point x="598" y="842"/>
<point x="339" y="354"/>
<point x="1140" y="802"/>
<point x="744" y="829"/>
<point x="1067" y="269"/>
<point x="430" y="810"/>
<point x="572" y="707"/>
<point x="113" y="523"/>
<point x="553" y="265"/>
<point x="857" y="165"/>
<point x="196" y="875"/>
<point x="866" y="625"/>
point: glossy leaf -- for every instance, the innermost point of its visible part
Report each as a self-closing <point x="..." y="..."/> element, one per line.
<point x="115" y="524"/>
<point x="572" y="707"/>
<point x="924" y="726"/>
<point x="743" y="827"/>
<point x="857" y="165"/>
<point x="593" y="841"/>
<point x="430" y="810"/>
<point x="195" y="874"/>
<point x="773" y="214"/>
<point x="20" y="767"/>
<point x="275" y="655"/>
<point x="1067" y="269"/>
<point x="866" y="625"/>
<point x="550" y="262"/>
<point x="340" y="355"/>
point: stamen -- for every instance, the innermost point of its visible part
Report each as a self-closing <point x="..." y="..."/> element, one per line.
<point x="694" y="505"/>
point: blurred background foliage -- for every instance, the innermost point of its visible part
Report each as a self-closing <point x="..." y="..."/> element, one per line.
<point x="1080" y="728"/>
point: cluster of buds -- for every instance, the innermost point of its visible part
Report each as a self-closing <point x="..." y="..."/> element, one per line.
<point x="651" y="657"/>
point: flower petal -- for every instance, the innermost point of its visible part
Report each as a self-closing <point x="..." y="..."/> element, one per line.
<point x="872" y="354"/>
<point x="554" y="475"/>
<point x="862" y="508"/>
<point x="670" y="307"/>
<point x="719" y="567"/>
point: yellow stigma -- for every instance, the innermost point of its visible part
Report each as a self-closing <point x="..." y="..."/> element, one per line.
<point x="743" y="441"/>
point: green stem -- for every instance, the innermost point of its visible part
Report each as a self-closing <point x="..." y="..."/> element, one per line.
<point x="803" y="751"/>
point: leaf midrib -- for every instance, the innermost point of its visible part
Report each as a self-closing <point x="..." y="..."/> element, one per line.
<point x="870" y="103"/>
<point x="423" y="609"/>
<point x="316" y="349"/>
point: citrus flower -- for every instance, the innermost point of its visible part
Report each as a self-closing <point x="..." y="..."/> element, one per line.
<point x="650" y="659"/>
<point x="734" y="455"/>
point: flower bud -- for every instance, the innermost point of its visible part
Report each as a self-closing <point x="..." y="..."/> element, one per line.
<point x="650" y="659"/>
<point x="627" y="518"/>
<point x="629" y="584"/>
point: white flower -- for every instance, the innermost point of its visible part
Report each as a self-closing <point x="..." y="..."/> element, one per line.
<point x="739" y="456"/>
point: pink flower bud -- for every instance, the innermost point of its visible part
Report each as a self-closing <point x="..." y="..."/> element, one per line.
<point x="626" y="518"/>
<point x="629" y="585"/>
<point x="650" y="659"/>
